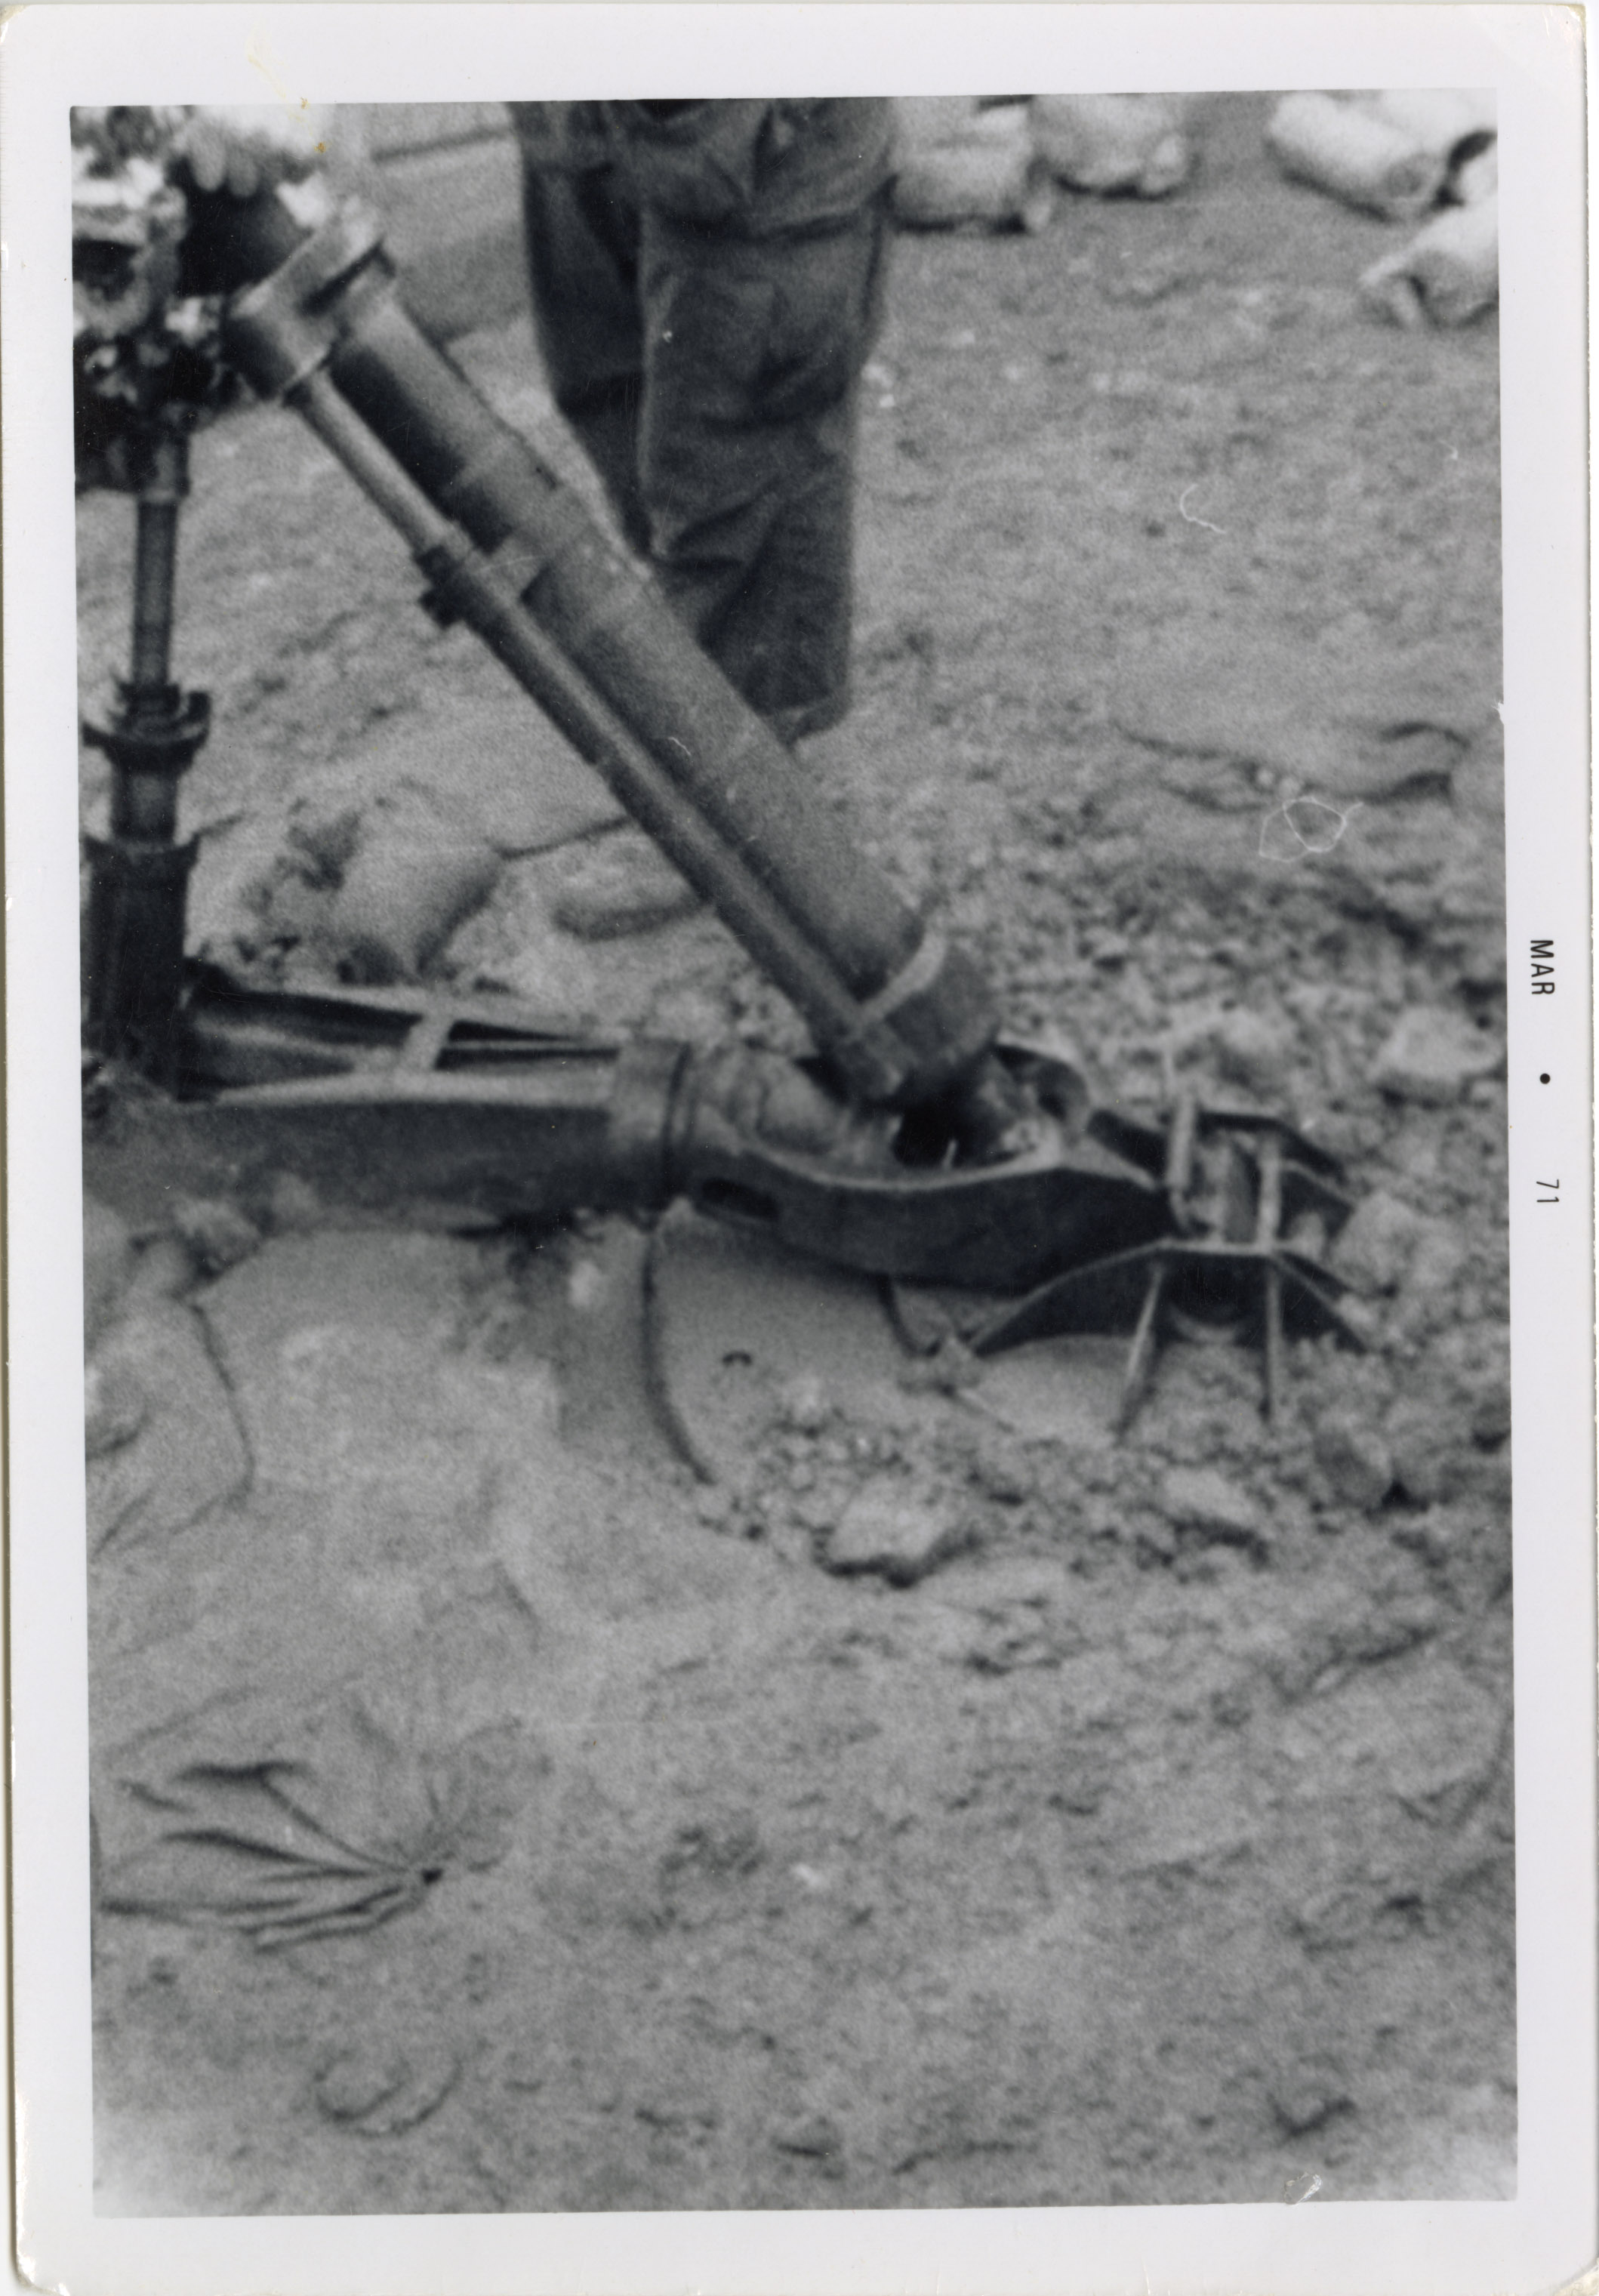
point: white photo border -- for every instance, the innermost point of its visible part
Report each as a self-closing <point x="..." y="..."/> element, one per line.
<point x="52" y="57"/>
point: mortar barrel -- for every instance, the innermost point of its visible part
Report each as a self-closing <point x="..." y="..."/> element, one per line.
<point x="606" y="614"/>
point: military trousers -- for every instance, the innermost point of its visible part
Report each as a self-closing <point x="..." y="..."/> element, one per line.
<point x="713" y="378"/>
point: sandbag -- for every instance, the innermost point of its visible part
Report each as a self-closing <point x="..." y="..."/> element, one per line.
<point x="1000" y="184"/>
<point x="1436" y="120"/>
<point x="1458" y="125"/>
<point x="408" y="887"/>
<point x="927" y="123"/>
<point x="924" y="123"/>
<point x="1448" y="274"/>
<point x="291" y="1828"/>
<point x="1140" y="143"/>
<point x="1361" y="158"/>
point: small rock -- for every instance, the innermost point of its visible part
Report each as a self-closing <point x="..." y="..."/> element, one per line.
<point x="1373" y="1250"/>
<point x="1000" y="1473"/>
<point x="215" y="1234"/>
<point x="380" y="2092"/>
<point x="1202" y="1499"/>
<point x="115" y="1406"/>
<point x="1250" y="1049"/>
<point x="1422" y="1448"/>
<point x="1307" y="2098"/>
<point x="1108" y="950"/>
<point x="818" y="2138"/>
<point x="1432" y="1054"/>
<point x="1354" y="1460"/>
<point x="888" y="1529"/>
<point x="803" y="1406"/>
<point x="108" y="1265"/>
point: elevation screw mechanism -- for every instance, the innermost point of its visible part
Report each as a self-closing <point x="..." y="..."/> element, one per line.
<point x="139" y="874"/>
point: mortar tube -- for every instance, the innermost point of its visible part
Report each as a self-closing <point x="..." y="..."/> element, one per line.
<point x="611" y="619"/>
<point x="487" y="598"/>
<point x="611" y="622"/>
<point x="618" y="626"/>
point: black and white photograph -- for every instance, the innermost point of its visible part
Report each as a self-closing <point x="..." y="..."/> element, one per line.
<point x="798" y="1042"/>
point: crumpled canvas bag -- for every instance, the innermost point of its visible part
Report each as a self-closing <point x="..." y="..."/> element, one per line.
<point x="257" y="1814"/>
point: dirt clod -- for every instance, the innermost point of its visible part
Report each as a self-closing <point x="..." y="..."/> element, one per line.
<point x="378" y="2090"/>
<point x="898" y="1532"/>
<point x="1354" y="1460"/>
<point x="1374" y="1249"/>
<point x="1204" y="1500"/>
<point x="1307" y="2099"/>
<point x="216" y="1234"/>
<point x="1433" y="1055"/>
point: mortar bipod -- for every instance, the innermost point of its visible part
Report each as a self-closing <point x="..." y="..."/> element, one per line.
<point x="399" y="1105"/>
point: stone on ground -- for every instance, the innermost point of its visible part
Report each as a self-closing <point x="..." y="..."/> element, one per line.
<point x="1305" y="2097"/>
<point x="1422" y="1449"/>
<point x="1432" y="1054"/>
<point x="1354" y="1459"/>
<point x="1375" y="1250"/>
<point x="1250" y="1049"/>
<point x="890" y="1528"/>
<point x="216" y="1234"/>
<point x="1203" y="1499"/>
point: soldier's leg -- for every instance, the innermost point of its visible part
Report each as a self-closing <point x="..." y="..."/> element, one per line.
<point x="582" y="244"/>
<point x="754" y="349"/>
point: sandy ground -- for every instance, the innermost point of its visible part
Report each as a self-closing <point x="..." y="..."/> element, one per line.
<point x="575" y="1833"/>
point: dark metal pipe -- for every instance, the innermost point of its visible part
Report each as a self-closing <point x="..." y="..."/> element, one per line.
<point x="486" y="596"/>
<point x="138" y="875"/>
<point x="155" y="573"/>
<point x="618" y="626"/>
<point x="334" y="301"/>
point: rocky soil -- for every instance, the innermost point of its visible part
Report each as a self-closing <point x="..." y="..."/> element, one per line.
<point x="942" y="1807"/>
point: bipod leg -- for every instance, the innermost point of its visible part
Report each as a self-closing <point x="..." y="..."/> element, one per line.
<point x="139" y="873"/>
<point x="1268" y="1219"/>
<point x="1141" y="1354"/>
